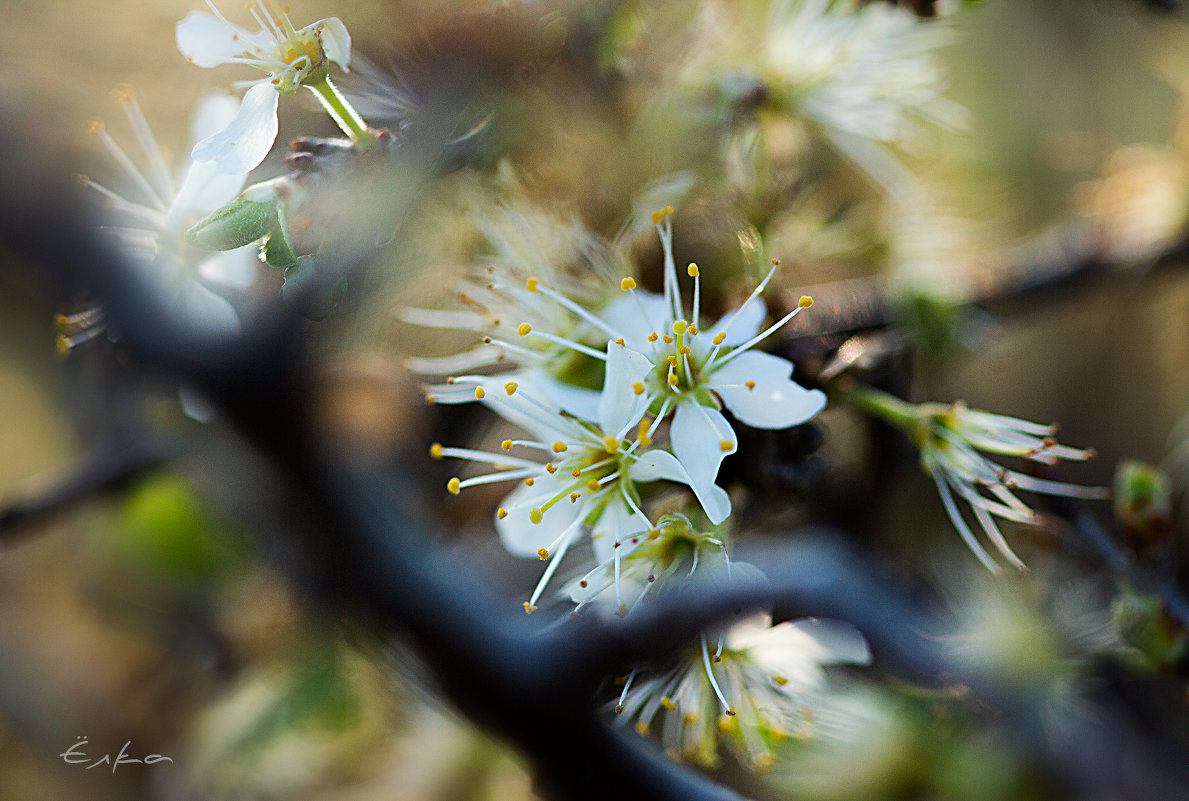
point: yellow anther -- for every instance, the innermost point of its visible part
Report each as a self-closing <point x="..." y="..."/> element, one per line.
<point x="638" y="387"/>
<point x="763" y="762"/>
<point x="480" y="393"/>
<point x="805" y="302"/>
<point x="720" y="337"/>
<point x="574" y="496"/>
<point x="775" y="262"/>
<point x="82" y="180"/>
<point x="123" y="93"/>
<point x="621" y="343"/>
<point x="435" y="450"/>
<point x="672" y="360"/>
<point x="510" y="387"/>
<point x="673" y="380"/>
<point x="692" y="270"/>
<point x="644" y="439"/>
<point x="576" y="472"/>
<point x="725" y="445"/>
<point x="610" y="444"/>
<point x="531" y="284"/>
<point x="653" y="533"/>
<point x="528" y="482"/>
<point x="524" y="329"/>
<point x="642" y="727"/>
<point x="667" y="339"/>
<point x="667" y="703"/>
<point x="593" y="485"/>
<point x="627" y="284"/>
<point x="506" y="444"/>
<point x="653" y="337"/>
<point x="693" y="330"/>
<point x="726" y="722"/>
<point x="780" y="680"/>
<point x="685" y="351"/>
<point x="95" y="127"/>
<point x="560" y="447"/>
<point x="529" y="608"/>
<point x="542" y="554"/>
<point x="535" y="515"/>
<point x="450" y="380"/>
<point x="689" y="718"/>
<point x="749" y="384"/>
<point x="454" y="486"/>
<point x="501" y="513"/>
<point x="550" y="468"/>
<point x="680" y="327"/>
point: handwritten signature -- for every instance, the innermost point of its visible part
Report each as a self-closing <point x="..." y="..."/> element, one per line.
<point x="74" y="755"/>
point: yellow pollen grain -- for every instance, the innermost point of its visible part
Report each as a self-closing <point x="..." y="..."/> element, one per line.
<point x="725" y="445"/>
<point x="667" y="703"/>
<point x="667" y="339"/>
<point x="621" y="343"/>
<point x="501" y="513"/>
<point x="593" y="485"/>
<point x="610" y="444"/>
<point x="574" y="496"/>
<point x="693" y="330"/>
<point x="511" y="387"/>
<point x="529" y="608"/>
<point x="673" y="360"/>
<point x="638" y="387"/>
<point x="720" y="337"/>
<point x="550" y="468"/>
<point x="435" y="450"/>
<point x="454" y="486"/>
<point x="560" y="447"/>
<point x="653" y="337"/>
<point x="576" y="472"/>
<point x="524" y="329"/>
<point x="506" y="444"/>
<point x="673" y="379"/>
<point x="627" y="284"/>
<point x="535" y="515"/>
<point x="692" y="270"/>
<point x="805" y="302"/>
<point x="542" y="554"/>
<point x="531" y="284"/>
<point x="479" y="393"/>
<point x="780" y="680"/>
<point x="680" y="327"/>
<point x="749" y="384"/>
<point x="528" y="482"/>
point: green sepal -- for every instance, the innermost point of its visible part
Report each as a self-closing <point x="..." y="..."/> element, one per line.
<point x="245" y="220"/>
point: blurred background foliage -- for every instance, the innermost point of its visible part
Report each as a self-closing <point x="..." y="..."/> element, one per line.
<point x="171" y="614"/>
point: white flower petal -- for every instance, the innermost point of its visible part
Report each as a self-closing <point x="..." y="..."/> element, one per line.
<point x="775" y="401"/>
<point x="741" y="328"/>
<point x="206" y="41"/>
<point x="235" y="269"/>
<point x="214" y="112"/>
<point x="619" y="405"/>
<point x="243" y="144"/>
<point x="522" y="537"/>
<point x="336" y="41"/>
<point x="698" y="434"/>
<point x="619" y="524"/>
<point x="634" y="315"/>
<point x="656" y="465"/>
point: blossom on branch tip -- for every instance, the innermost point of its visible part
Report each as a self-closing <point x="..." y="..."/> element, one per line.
<point x="157" y="208"/>
<point x="750" y="689"/>
<point x="953" y="440"/>
<point x="289" y="57"/>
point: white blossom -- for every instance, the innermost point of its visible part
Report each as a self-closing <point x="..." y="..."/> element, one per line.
<point x="288" y="57"/>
